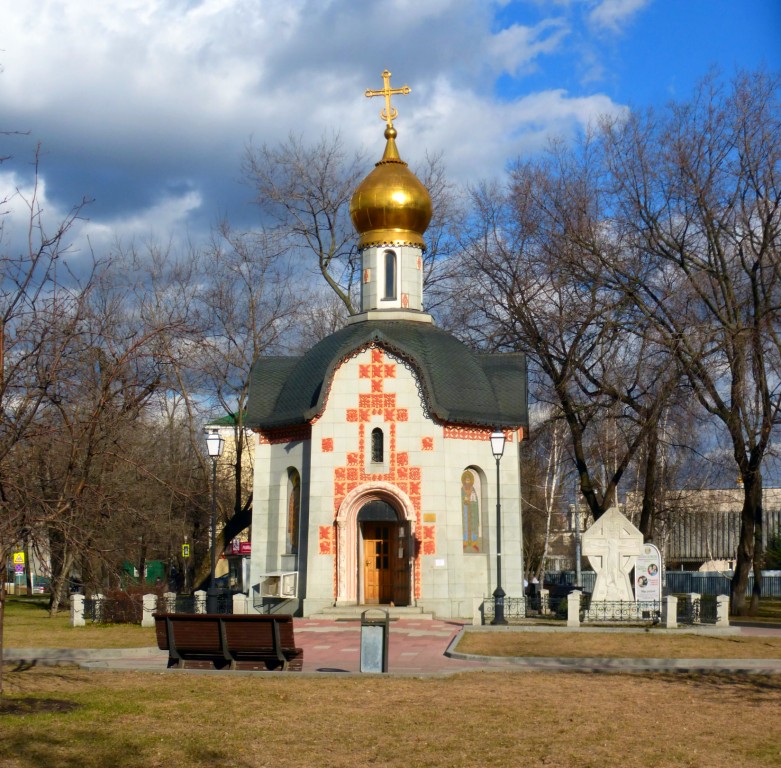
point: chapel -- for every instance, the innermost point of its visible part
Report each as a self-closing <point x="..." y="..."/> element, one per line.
<point x="374" y="479"/>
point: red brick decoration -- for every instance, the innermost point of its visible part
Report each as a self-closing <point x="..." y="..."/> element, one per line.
<point x="328" y="445"/>
<point x="406" y="478"/>
<point x="327" y="540"/>
<point x="427" y="444"/>
<point x="284" y="434"/>
<point x="473" y="433"/>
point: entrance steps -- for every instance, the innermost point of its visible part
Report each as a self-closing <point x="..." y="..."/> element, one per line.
<point x="353" y="612"/>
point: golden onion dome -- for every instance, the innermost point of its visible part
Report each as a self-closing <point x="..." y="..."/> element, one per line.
<point x="391" y="206"/>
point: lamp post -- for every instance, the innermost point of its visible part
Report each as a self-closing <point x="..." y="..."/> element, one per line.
<point x="214" y="445"/>
<point x="497" y="448"/>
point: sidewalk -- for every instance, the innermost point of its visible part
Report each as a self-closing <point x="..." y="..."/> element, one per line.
<point x="416" y="648"/>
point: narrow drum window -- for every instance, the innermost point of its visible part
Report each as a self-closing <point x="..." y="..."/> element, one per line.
<point x="377" y="446"/>
<point x="390" y="275"/>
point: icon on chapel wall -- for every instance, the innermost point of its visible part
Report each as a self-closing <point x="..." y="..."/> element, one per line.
<point x="470" y="507"/>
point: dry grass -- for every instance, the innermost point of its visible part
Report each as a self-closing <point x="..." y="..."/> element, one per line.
<point x="63" y="717"/>
<point x="638" y="645"/>
<point x="28" y="625"/>
<point x="143" y="720"/>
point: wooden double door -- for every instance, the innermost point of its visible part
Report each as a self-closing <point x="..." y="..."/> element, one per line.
<point x="385" y="563"/>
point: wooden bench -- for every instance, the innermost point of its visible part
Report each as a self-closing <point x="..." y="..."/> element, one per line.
<point x="239" y="641"/>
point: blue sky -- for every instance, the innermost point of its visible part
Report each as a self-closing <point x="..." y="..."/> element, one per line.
<point x="147" y="105"/>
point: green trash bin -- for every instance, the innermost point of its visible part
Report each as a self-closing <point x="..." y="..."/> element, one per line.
<point x="374" y="640"/>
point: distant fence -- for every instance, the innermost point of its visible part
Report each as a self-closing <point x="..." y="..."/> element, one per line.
<point x="680" y="582"/>
<point x="718" y="584"/>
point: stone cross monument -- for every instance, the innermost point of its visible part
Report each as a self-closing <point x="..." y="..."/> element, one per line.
<point x="612" y="545"/>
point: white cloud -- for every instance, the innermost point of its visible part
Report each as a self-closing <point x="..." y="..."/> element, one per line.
<point x="147" y="105"/>
<point x="614" y="15"/>
<point x="515" y="47"/>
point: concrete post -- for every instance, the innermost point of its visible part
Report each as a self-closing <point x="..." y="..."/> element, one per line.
<point x="573" y="608"/>
<point x="477" y="613"/>
<point x="544" y="601"/>
<point x="200" y="601"/>
<point x="671" y="620"/>
<point x="149" y="607"/>
<point x="722" y="611"/>
<point x="169" y="602"/>
<point x="240" y="603"/>
<point x="77" y="611"/>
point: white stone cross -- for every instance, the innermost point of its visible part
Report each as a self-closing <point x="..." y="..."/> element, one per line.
<point x="612" y="545"/>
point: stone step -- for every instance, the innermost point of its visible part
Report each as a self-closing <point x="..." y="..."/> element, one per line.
<point x="353" y="612"/>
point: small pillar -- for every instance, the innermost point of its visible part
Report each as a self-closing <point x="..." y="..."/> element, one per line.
<point x="671" y="620"/>
<point x="477" y="611"/>
<point x="722" y="611"/>
<point x="149" y="607"/>
<point x="169" y="602"/>
<point x="240" y="604"/>
<point x="77" y="611"/>
<point x="573" y="608"/>
<point x="200" y="601"/>
<point x="544" y="601"/>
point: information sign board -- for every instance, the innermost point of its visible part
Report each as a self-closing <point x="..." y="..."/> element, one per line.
<point x="648" y="574"/>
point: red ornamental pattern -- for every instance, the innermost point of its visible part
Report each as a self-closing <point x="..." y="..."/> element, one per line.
<point x="406" y="478"/>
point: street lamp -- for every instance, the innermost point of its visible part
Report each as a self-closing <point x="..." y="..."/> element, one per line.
<point x="214" y="445"/>
<point x="497" y="448"/>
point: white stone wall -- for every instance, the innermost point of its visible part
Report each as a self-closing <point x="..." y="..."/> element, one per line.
<point x="449" y="579"/>
<point x="409" y="278"/>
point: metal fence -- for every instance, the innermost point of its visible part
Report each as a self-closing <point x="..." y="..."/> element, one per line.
<point x="678" y="582"/>
<point x="645" y="612"/>
<point x="129" y="608"/>
<point x="708" y="583"/>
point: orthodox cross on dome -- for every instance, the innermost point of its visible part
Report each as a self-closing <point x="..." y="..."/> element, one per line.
<point x="389" y="114"/>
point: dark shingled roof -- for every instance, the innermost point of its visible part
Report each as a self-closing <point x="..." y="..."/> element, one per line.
<point x="459" y="385"/>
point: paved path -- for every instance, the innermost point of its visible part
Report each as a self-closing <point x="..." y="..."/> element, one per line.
<point x="417" y="648"/>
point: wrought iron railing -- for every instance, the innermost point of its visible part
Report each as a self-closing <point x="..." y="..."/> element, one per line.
<point x="622" y="611"/>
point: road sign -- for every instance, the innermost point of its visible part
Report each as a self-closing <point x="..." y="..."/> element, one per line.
<point x="18" y="558"/>
<point x="19" y="568"/>
<point x="185" y="550"/>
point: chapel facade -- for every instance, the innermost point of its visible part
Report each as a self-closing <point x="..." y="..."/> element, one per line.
<point x="374" y="480"/>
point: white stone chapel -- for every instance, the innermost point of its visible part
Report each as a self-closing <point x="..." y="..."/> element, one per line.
<point x="374" y="480"/>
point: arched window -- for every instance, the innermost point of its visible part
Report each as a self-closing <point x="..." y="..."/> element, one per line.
<point x="293" y="511"/>
<point x="377" y="446"/>
<point x="390" y="275"/>
<point x="470" y="511"/>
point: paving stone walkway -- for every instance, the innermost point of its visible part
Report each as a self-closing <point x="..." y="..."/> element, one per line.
<point x="416" y="648"/>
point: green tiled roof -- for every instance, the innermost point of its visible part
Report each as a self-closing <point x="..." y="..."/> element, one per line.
<point x="458" y="385"/>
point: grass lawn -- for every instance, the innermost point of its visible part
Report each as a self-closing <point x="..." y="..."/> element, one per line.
<point x="65" y="717"/>
<point x="62" y="717"/>
<point x="28" y="625"/>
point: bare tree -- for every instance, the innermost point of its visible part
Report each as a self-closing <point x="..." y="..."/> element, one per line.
<point x="694" y="200"/>
<point x="526" y="288"/>
<point x="37" y="322"/>
<point x="306" y="191"/>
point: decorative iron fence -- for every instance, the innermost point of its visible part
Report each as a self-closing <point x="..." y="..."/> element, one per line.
<point x="129" y="608"/>
<point x="621" y="611"/>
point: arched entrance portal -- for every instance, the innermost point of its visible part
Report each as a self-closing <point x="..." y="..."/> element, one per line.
<point x="385" y="542"/>
<point x="375" y="529"/>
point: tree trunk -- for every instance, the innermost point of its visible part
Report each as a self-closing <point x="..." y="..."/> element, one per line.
<point x="647" y="513"/>
<point x="752" y="507"/>
<point x="2" y="619"/>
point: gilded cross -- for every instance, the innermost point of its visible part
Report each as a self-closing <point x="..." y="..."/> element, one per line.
<point x="390" y="113"/>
